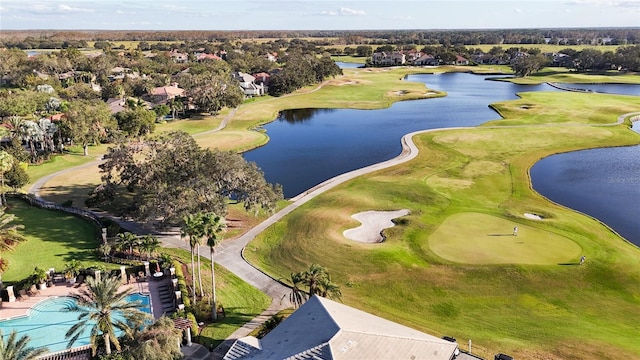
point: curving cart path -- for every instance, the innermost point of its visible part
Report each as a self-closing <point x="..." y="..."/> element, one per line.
<point x="230" y="253"/>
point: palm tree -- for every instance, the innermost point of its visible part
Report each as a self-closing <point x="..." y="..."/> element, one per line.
<point x="297" y="296"/>
<point x="149" y="244"/>
<point x="18" y="349"/>
<point x="213" y="225"/>
<point x="317" y="281"/>
<point x="103" y="309"/>
<point x="190" y="229"/>
<point x="165" y="259"/>
<point x="128" y="240"/>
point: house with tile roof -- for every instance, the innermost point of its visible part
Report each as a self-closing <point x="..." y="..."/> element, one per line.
<point x="325" y="329"/>
<point x="161" y="95"/>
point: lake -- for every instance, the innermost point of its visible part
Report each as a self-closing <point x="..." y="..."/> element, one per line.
<point x="309" y="146"/>
<point x="600" y="182"/>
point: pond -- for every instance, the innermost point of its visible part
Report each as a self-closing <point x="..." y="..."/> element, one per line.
<point x="309" y="146"/>
<point x="622" y="89"/>
<point x="346" y="65"/>
<point x="600" y="182"/>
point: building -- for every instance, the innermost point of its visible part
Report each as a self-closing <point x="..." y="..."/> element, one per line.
<point x="161" y="95"/>
<point x="248" y="84"/>
<point x="388" y="59"/>
<point x="325" y="329"/>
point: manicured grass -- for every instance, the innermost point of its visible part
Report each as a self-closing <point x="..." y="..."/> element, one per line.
<point x="350" y="59"/>
<point x="463" y="185"/>
<point x="563" y="75"/>
<point x="484" y="239"/>
<point x="53" y="239"/>
<point x="57" y="163"/>
<point x="242" y="302"/>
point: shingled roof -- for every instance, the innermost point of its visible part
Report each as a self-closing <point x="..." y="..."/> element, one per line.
<point x="324" y="329"/>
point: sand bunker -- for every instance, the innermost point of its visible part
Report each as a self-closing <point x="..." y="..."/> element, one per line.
<point x="373" y="222"/>
<point x="532" y="216"/>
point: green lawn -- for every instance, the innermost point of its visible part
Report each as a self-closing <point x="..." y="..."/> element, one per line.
<point x="440" y="269"/>
<point x="242" y="302"/>
<point x="546" y="308"/>
<point x="485" y="239"/>
<point x="53" y="239"/>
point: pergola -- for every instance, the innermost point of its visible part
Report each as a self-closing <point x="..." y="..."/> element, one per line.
<point x="184" y="324"/>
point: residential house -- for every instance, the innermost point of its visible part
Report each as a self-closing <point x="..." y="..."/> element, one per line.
<point x="119" y="73"/>
<point x="273" y="57"/>
<point x="161" y="95"/>
<point x="248" y="84"/>
<point x="412" y="55"/>
<point x="262" y="78"/>
<point x="200" y="57"/>
<point x="461" y="60"/>
<point x="426" y="59"/>
<point x="388" y="59"/>
<point x="178" y="57"/>
<point x="324" y="329"/>
<point x="116" y="105"/>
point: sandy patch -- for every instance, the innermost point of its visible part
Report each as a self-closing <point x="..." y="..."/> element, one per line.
<point x="373" y="223"/>
<point x="533" y="216"/>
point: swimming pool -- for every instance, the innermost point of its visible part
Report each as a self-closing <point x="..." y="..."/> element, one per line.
<point x="47" y="323"/>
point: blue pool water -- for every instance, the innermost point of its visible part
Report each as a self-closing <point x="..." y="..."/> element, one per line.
<point x="47" y="323"/>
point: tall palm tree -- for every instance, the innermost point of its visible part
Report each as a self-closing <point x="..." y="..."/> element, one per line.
<point x="190" y="230"/>
<point x="213" y="225"/>
<point x="14" y="348"/>
<point x="104" y="309"/>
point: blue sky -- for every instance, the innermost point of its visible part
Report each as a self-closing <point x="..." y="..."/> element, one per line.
<point x="315" y="14"/>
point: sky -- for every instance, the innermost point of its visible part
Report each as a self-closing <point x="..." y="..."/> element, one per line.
<point x="315" y="14"/>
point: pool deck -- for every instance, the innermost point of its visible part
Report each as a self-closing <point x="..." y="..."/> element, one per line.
<point x="10" y="310"/>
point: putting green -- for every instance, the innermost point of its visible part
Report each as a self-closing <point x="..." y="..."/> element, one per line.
<point x="475" y="238"/>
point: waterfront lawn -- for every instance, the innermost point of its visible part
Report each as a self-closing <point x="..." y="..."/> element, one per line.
<point x="571" y="108"/>
<point x="563" y="75"/>
<point x="53" y="239"/>
<point x="372" y="88"/>
<point x="554" y="309"/>
<point x="242" y="302"/>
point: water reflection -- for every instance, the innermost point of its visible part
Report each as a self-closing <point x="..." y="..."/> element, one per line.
<point x="301" y="115"/>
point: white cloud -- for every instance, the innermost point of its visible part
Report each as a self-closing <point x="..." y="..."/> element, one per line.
<point x="329" y="13"/>
<point x="634" y="4"/>
<point x="348" y="11"/>
<point x="517" y="10"/>
<point x="67" y="8"/>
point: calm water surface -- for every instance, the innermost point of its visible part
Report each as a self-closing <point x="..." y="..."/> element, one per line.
<point x="307" y="147"/>
<point x="600" y="182"/>
<point x="623" y="89"/>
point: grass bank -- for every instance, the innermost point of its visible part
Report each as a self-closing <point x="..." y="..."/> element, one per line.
<point x="434" y="274"/>
<point x="52" y="240"/>
<point x="242" y="302"/>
